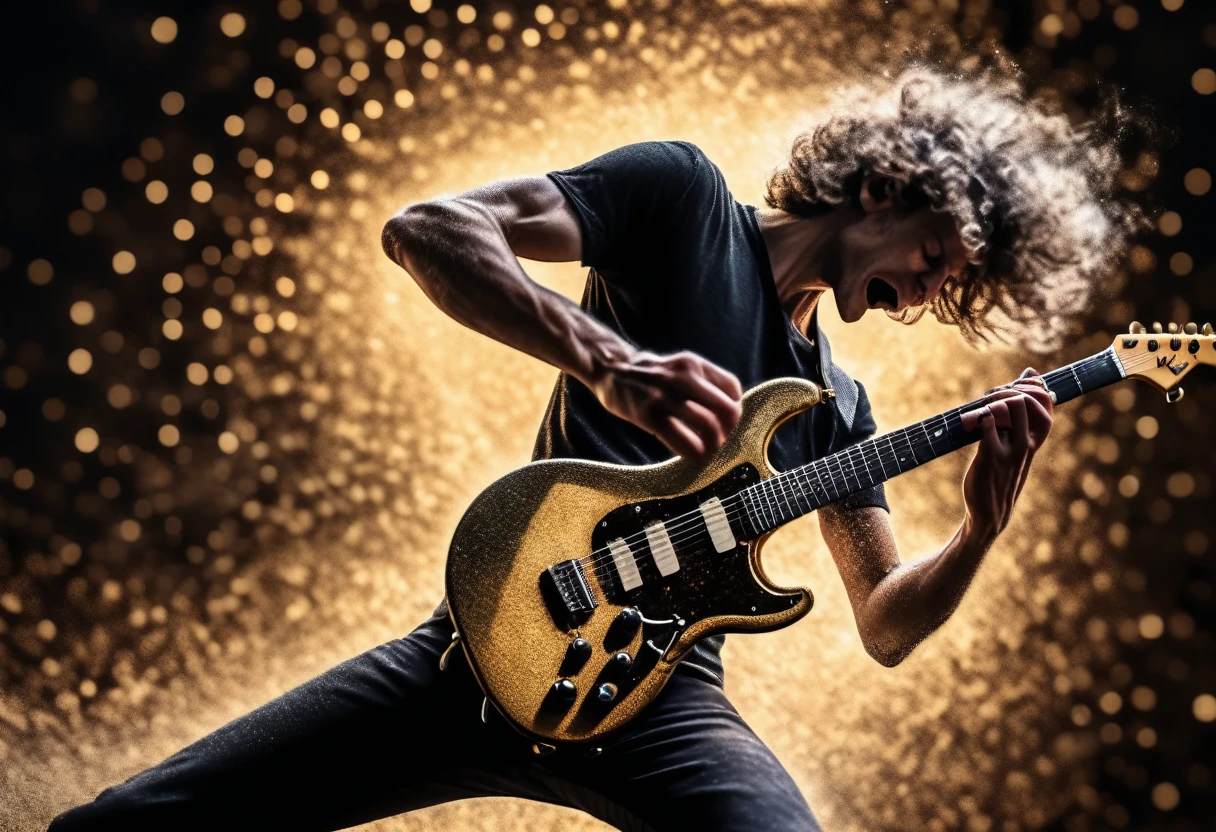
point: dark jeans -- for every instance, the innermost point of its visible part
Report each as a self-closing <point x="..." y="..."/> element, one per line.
<point x="387" y="732"/>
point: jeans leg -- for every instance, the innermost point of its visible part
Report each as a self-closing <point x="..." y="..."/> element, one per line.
<point x="689" y="761"/>
<point x="361" y="741"/>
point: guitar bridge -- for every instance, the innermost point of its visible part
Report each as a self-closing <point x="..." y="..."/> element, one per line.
<point x="567" y="594"/>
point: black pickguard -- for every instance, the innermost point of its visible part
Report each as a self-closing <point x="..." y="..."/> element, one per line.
<point x="708" y="583"/>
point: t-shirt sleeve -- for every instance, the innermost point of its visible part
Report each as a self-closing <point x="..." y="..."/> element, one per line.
<point x="625" y="198"/>
<point x="863" y="428"/>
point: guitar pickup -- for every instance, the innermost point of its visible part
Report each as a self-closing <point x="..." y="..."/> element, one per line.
<point x="567" y="594"/>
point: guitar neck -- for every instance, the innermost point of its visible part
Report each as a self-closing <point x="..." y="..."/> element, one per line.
<point x="787" y="496"/>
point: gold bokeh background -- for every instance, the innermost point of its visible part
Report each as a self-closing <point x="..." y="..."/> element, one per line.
<point x="265" y="433"/>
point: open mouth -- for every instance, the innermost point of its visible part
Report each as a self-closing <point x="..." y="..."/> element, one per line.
<point x="880" y="291"/>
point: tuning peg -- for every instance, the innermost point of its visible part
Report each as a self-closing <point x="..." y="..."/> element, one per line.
<point x="1207" y="329"/>
<point x="1135" y="328"/>
<point x="1172" y="328"/>
<point x="1156" y="326"/>
<point x="1190" y="329"/>
<point x="1173" y="395"/>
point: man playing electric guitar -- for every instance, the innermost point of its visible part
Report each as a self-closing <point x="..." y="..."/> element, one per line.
<point x="944" y="194"/>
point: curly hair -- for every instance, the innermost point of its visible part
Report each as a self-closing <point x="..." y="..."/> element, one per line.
<point x="1034" y="197"/>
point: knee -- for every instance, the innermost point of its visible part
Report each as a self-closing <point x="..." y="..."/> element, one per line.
<point x="108" y="811"/>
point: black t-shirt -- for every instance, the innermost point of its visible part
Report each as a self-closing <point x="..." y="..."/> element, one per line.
<point x="677" y="264"/>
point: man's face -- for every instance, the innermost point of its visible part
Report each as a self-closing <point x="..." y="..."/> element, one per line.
<point x="893" y="258"/>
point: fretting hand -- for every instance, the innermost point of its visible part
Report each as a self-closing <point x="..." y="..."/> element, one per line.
<point x="689" y="403"/>
<point x="1015" y="421"/>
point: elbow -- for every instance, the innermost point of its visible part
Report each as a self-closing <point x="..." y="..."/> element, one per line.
<point x="887" y="646"/>
<point x="886" y="656"/>
<point x="404" y="232"/>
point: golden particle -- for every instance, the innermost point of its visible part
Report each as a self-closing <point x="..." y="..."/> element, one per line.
<point x="151" y="149"/>
<point x="305" y="58"/>
<point x="329" y="117"/>
<point x="351" y="132"/>
<point x="373" y="109"/>
<point x="247" y="157"/>
<point x="80" y="222"/>
<point x="1126" y="17"/>
<point x="263" y="168"/>
<point x="502" y="20"/>
<point x="1181" y="263"/>
<point x="1204" y="81"/>
<point x="123" y="263"/>
<point x="1197" y="181"/>
<point x="212" y="319"/>
<point x="1170" y="223"/>
<point x="414" y="35"/>
<point x="232" y="24"/>
<point x="263" y="322"/>
<point x="284" y="202"/>
<point x="285" y="286"/>
<point x="1165" y="796"/>
<point x="133" y="169"/>
<point x="1180" y="485"/>
<point x="1146" y="427"/>
<point x="319" y="180"/>
<point x="1204" y="707"/>
<point x="203" y="164"/>
<point x="297" y="113"/>
<point x="432" y="48"/>
<point x="290" y="9"/>
<point x="87" y="440"/>
<point x="288" y="320"/>
<point x="172" y="329"/>
<point x="80" y="361"/>
<point x="169" y="435"/>
<point x="119" y="396"/>
<point x="164" y="30"/>
<point x="380" y="31"/>
<point x="196" y="373"/>
<point x="172" y="103"/>
<point x="201" y="191"/>
<point x="530" y="37"/>
<point x="234" y="125"/>
<point x="81" y="313"/>
<point x="156" y="192"/>
<point x="420" y="6"/>
<point x="183" y="229"/>
<point x="222" y="374"/>
<point x="94" y="199"/>
<point x="172" y="283"/>
<point x="1172" y="5"/>
<point x="228" y="442"/>
<point x="360" y="71"/>
<point x="394" y="49"/>
<point x="149" y="358"/>
<point x="129" y="530"/>
<point x="466" y="14"/>
<point x="40" y="272"/>
<point x="403" y="99"/>
<point x="23" y="478"/>
<point x="1151" y="626"/>
<point x="1110" y="702"/>
<point x="263" y="87"/>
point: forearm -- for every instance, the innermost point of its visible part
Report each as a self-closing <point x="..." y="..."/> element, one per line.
<point x="459" y="255"/>
<point x="912" y="600"/>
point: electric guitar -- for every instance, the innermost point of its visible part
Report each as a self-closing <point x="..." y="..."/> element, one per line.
<point x="576" y="587"/>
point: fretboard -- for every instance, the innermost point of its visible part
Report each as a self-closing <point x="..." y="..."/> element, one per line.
<point x="787" y="496"/>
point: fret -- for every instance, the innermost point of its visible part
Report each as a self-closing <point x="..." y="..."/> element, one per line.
<point x="777" y="500"/>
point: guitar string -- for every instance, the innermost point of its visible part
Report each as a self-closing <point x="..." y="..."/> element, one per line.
<point x="596" y="557"/>
<point x="1087" y="369"/>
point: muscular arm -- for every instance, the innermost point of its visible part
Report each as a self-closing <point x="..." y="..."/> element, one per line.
<point x="897" y="605"/>
<point x="462" y="250"/>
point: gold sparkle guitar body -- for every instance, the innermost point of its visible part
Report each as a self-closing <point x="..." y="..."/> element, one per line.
<point x="576" y="587"/>
<point x="518" y="633"/>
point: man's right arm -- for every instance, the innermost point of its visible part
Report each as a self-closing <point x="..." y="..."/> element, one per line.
<point x="462" y="250"/>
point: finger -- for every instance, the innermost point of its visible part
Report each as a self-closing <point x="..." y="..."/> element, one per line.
<point x="972" y="418"/>
<point x="724" y="380"/>
<point x="704" y="422"/>
<point x="990" y="440"/>
<point x="680" y="438"/>
<point x="699" y="389"/>
<point x="1019" y="422"/>
<point x="1000" y="411"/>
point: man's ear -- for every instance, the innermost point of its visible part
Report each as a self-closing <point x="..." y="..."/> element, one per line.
<point x="877" y="192"/>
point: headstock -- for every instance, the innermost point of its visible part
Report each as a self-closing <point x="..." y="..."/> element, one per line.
<point x="1163" y="357"/>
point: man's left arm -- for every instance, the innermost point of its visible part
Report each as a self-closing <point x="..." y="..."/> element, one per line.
<point x="897" y="605"/>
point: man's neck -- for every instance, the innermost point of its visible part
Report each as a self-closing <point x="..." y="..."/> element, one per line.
<point x="805" y="257"/>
